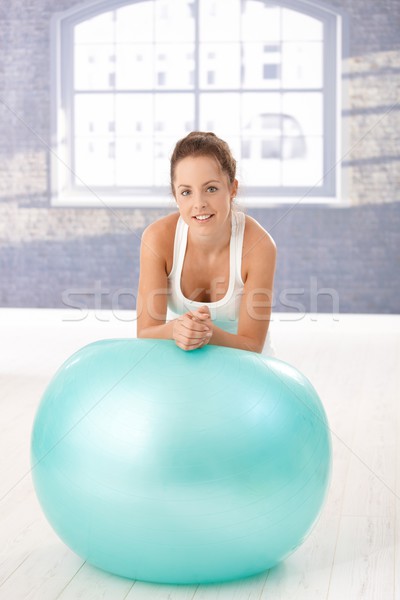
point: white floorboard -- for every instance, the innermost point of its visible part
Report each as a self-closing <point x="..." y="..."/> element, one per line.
<point x="353" y="553"/>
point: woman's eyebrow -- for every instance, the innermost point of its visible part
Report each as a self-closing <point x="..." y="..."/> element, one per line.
<point x="211" y="181"/>
<point x="206" y="183"/>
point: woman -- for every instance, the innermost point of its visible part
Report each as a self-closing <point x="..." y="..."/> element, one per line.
<point x="206" y="271"/>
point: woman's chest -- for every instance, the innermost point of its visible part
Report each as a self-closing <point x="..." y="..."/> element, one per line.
<point x="205" y="280"/>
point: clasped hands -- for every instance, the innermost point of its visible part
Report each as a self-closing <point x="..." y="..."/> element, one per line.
<point x="193" y="329"/>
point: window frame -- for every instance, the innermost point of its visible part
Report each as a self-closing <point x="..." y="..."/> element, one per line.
<point x="61" y="80"/>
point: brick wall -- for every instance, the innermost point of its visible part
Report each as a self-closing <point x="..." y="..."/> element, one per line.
<point x="46" y="252"/>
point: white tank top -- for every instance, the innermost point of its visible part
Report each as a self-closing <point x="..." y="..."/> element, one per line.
<point x="224" y="312"/>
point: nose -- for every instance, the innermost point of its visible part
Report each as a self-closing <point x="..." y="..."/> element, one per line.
<point x="200" y="200"/>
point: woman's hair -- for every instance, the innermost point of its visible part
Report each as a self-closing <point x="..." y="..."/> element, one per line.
<point x="200" y="143"/>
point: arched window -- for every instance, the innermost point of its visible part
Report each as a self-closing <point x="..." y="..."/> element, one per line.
<point x="132" y="78"/>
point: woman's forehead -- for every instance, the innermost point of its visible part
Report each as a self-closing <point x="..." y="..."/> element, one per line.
<point x="197" y="167"/>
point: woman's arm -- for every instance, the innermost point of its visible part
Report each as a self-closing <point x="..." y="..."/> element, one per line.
<point x="188" y="332"/>
<point x="153" y="288"/>
<point x="259" y="256"/>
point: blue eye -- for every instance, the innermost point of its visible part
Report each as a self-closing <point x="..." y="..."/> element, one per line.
<point x="185" y="192"/>
<point x="212" y="188"/>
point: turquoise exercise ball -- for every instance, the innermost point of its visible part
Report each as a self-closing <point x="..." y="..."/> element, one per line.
<point x="180" y="467"/>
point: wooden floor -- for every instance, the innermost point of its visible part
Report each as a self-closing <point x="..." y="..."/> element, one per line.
<point x="354" y="550"/>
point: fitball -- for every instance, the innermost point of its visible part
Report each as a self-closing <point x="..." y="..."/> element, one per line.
<point x="178" y="467"/>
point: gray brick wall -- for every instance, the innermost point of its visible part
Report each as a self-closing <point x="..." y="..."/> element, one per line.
<point x="329" y="259"/>
<point x="46" y="252"/>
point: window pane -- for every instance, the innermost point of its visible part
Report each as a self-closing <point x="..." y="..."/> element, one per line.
<point x="134" y="161"/>
<point x="220" y="113"/>
<point x="219" y="20"/>
<point x="148" y="127"/>
<point x="261" y="150"/>
<point x="94" y="67"/>
<point x="260" y="22"/>
<point x="135" y="70"/>
<point x="306" y="170"/>
<point x="262" y="65"/>
<point x="163" y="148"/>
<point x="259" y="111"/>
<point x="94" y="114"/>
<point x="173" y="114"/>
<point x="135" y="115"/>
<point x="306" y="108"/>
<point x="174" y="21"/>
<point x="173" y="119"/>
<point x="302" y="64"/>
<point x="98" y="30"/>
<point x="94" y="161"/>
<point x="94" y="127"/>
<point x="297" y="26"/>
<point x="258" y="171"/>
<point x="174" y="66"/>
<point x="219" y="65"/>
<point x="134" y="23"/>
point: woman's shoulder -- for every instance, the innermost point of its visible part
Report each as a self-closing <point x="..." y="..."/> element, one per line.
<point x="162" y="229"/>
<point x="256" y="238"/>
<point x="160" y="234"/>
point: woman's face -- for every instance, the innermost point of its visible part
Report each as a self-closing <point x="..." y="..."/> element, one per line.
<point x="203" y="193"/>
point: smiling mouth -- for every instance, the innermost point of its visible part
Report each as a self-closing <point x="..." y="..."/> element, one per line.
<point x="203" y="218"/>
